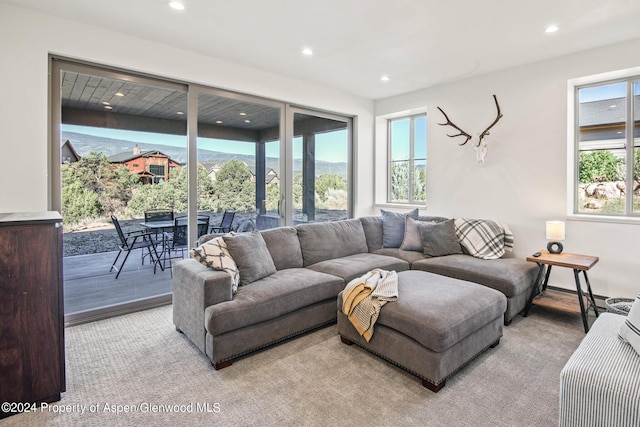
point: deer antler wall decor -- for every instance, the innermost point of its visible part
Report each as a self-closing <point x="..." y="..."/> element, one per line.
<point x="481" y="147"/>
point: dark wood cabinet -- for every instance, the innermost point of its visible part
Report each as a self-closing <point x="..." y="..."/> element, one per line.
<point x="31" y="309"/>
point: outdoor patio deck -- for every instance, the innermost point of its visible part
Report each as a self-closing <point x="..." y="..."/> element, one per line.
<point x="88" y="284"/>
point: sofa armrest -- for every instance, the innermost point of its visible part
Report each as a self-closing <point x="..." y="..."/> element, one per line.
<point x="196" y="287"/>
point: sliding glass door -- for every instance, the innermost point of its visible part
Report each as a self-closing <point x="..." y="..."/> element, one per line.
<point x="118" y="161"/>
<point x="124" y="146"/>
<point x="239" y="159"/>
<point x="321" y="166"/>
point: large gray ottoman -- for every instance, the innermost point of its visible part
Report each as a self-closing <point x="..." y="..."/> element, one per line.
<point x="437" y="325"/>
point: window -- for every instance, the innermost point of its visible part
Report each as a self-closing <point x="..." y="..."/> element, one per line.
<point x="608" y="148"/>
<point x="157" y="170"/>
<point x="407" y="159"/>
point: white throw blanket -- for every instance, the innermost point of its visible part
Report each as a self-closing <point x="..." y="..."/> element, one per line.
<point x="364" y="296"/>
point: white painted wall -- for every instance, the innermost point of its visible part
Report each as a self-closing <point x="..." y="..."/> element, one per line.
<point x="27" y="38"/>
<point x="524" y="180"/>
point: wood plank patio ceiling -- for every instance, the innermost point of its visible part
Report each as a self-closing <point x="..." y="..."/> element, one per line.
<point x="90" y="92"/>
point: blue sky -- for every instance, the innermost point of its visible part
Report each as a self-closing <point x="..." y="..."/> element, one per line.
<point x="330" y="147"/>
<point x="608" y="91"/>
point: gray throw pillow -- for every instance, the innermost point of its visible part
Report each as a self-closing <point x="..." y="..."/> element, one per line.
<point x="393" y="227"/>
<point x="412" y="238"/>
<point x="439" y="239"/>
<point x="251" y="255"/>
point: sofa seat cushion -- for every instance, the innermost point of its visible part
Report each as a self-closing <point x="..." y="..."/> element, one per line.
<point x="439" y="311"/>
<point x="350" y="267"/>
<point x="409" y="256"/>
<point x="280" y="293"/>
<point x="511" y="276"/>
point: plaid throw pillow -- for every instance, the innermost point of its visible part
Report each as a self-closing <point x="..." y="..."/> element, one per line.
<point x="630" y="329"/>
<point x="484" y="239"/>
<point x="215" y="255"/>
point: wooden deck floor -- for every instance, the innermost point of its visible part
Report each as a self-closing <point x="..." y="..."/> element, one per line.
<point x="89" y="285"/>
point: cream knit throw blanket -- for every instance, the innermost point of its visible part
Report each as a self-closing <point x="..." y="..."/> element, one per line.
<point x="364" y="296"/>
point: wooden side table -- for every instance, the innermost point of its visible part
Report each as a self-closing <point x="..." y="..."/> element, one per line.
<point x="579" y="263"/>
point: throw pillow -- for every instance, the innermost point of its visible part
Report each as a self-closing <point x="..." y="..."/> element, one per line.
<point x="393" y="227"/>
<point x="214" y="254"/>
<point x="412" y="239"/>
<point x="251" y="255"/>
<point x="630" y="329"/>
<point x="484" y="239"/>
<point x="439" y="239"/>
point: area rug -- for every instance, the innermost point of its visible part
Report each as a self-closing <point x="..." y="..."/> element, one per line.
<point x="137" y="370"/>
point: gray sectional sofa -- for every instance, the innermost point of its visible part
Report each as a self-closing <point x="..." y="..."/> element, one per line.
<point x="296" y="289"/>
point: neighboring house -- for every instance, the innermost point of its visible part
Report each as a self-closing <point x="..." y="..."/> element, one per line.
<point x="271" y="177"/>
<point x="152" y="166"/>
<point x="68" y="154"/>
<point x="213" y="171"/>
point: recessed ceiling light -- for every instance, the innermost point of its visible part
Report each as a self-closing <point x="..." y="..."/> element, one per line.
<point x="613" y="106"/>
<point x="307" y="51"/>
<point x="247" y="121"/>
<point x="176" y="5"/>
<point x="119" y="94"/>
<point x="105" y="103"/>
<point x="108" y="107"/>
<point x="179" y="113"/>
<point x="218" y="122"/>
<point x="551" y="28"/>
<point x="384" y="78"/>
<point x="243" y="114"/>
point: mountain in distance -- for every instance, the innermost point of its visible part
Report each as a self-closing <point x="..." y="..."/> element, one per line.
<point x="85" y="144"/>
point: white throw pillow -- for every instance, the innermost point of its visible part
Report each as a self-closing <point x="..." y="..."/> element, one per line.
<point x="215" y="255"/>
<point x="630" y="329"/>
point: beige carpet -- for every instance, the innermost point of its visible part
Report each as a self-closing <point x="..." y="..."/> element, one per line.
<point x="139" y="359"/>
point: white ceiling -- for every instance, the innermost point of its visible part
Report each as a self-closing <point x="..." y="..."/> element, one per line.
<point x="417" y="43"/>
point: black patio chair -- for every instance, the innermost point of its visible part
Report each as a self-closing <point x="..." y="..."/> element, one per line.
<point x="203" y="224"/>
<point x="176" y="241"/>
<point x="139" y="239"/>
<point x="226" y="223"/>
<point x="157" y="215"/>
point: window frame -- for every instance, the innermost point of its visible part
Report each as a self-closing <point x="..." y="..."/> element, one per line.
<point x="629" y="77"/>
<point x="412" y="144"/>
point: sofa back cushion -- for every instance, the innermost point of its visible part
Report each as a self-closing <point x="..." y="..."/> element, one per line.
<point x="372" y="226"/>
<point x="284" y="247"/>
<point x="321" y="241"/>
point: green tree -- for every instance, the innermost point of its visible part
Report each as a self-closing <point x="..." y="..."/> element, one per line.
<point x="297" y="191"/>
<point x="419" y="184"/>
<point x="173" y="193"/>
<point x="79" y="203"/>
<point x="599" y="166"/>
<point x="111" y="185"/>
<point x="400" y="181"/>
<point x="273" y="197"/>
<point x="233" y="189"/>
<point x="326" y="182"/>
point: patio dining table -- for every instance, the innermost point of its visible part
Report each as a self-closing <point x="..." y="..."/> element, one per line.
<point x="162" y="225"/>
